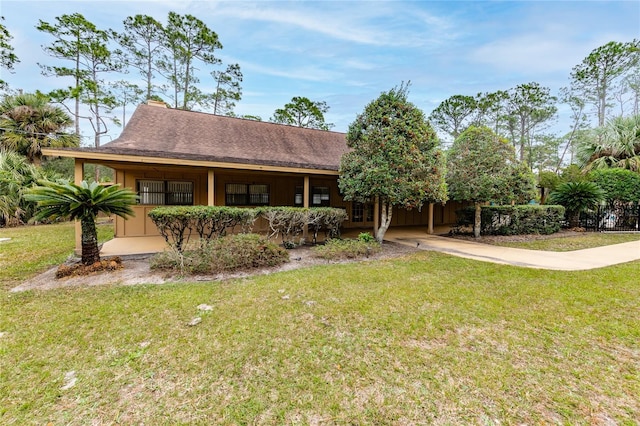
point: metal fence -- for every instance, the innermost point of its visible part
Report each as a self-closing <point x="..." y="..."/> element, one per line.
<point x="617" y="218"/>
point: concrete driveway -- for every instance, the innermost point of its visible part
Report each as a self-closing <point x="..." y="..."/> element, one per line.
<point x="563" y="261"/>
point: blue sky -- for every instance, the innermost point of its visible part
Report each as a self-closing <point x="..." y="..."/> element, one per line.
<point x="347" y="52"/>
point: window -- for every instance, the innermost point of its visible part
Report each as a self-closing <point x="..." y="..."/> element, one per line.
<point x="242" y="194"/>
<point x="259" y="195"/>
<point x="361" y="212"/>
<point x="298" y="200"/>
<point x="320" y="196"/>
<point x="163" y="192"/>
<point x="236" y="194"/>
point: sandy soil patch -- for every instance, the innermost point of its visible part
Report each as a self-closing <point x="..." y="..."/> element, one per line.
<point x="136" y="270"/>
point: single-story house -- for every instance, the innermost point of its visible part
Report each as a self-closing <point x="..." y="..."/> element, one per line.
<point x="175" y="157"/>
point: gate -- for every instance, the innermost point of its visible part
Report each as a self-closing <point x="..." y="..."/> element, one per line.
<point x="616" y="218"/>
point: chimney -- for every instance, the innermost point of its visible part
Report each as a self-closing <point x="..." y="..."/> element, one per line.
<point x="160" y="104"/>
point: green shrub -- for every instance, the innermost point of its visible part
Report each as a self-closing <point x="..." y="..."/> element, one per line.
<point x="336" y="249"/>
<point x="620" y="186"/>
<point x="514" y="220"/>
<point x="577" y="197"/>
<point x="177" y="223"/>
<point x="16" y="176"/>
<point x="289" y="222"/>
<point x="230" y="253"/>
<point x="327" y="219"/>
<point x="366" y="237"/>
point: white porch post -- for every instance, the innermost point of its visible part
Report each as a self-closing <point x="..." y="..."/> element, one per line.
<point x="305" y="204"/>
<point x="211" y="188"/>
<point x="78" y="176"/>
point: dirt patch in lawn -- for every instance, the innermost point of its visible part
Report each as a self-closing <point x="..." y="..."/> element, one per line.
<point x="136" y="270"/>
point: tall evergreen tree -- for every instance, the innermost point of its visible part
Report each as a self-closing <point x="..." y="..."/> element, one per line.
<point x="303" y="112"/>
<point x="186" y="40"/>
<point x="79" y="41"/>
<point x="597" y="75"/>
<point x="8" y="58"/>
<point x="395" y="157"/>
<point x="482" y="167"/>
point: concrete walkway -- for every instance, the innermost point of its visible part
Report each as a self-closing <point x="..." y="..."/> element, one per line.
<point x="563" y="261"/>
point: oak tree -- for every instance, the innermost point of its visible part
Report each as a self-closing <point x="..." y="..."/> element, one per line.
<point x="482" y="167"/>
<point x="395" y="158"/>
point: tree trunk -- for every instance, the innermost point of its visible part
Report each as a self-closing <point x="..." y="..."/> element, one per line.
<point x="385" y="220"/>
<point x="574" y="219"/>
<point x="477" y="220"/>
<point x="90" y="250"/>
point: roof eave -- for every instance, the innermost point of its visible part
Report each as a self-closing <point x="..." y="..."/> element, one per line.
<point x="123" y="158"/>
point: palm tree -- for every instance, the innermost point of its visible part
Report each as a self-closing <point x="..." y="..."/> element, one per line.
<point x="616" y="144"/>
<point x="28" y="122"/>
<point x="577" y="197"/>
<point x="16" y="175"/>
<point x="82" y="202"/>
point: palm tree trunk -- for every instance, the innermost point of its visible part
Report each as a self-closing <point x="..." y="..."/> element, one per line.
<point x="90" y="250"/>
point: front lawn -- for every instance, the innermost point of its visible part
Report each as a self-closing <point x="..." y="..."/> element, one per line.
<point x="424" y="339"/>
<point x="33" y="249"/>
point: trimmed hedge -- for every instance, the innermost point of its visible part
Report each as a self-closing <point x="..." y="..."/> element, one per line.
<point x="514" y="220"/>
<point x="289" y="222"/>
<point x="176" y="224"/>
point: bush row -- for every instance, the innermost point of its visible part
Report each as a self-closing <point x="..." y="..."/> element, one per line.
<point x="514" y="220"/>
<point x="178" y="224"/>
<point x="289" y="222"/>
<point x="336" y="249"/>
<point x="240" y="251"/>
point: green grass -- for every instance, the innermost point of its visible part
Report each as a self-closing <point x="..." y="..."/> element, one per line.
<point x="426" y="339"/>
<point x="33" y="249"/>
<point x="578" y="242"/>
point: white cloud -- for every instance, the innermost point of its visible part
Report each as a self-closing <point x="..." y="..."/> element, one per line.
<point x="369" y="23"/>
<point x="307" y="73"/>
<point x="530" y="53"/>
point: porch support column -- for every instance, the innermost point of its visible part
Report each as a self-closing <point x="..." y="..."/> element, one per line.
<point x="78" y="176"/>
<point x="430" y="219"/>
<point x="376" y="216"/>
<point x="211" y="188"/>
<point x="305" y="204"/>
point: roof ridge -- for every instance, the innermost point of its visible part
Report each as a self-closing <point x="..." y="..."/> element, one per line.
<point x="226" y="117"/>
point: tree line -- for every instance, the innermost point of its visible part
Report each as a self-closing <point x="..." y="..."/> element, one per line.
<point x="396" y="156"/>
<point x="168" y="57"/>
<point x="605" y="85"/>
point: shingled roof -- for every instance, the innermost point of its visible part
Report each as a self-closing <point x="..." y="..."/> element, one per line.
<point x="162" y="132"/>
